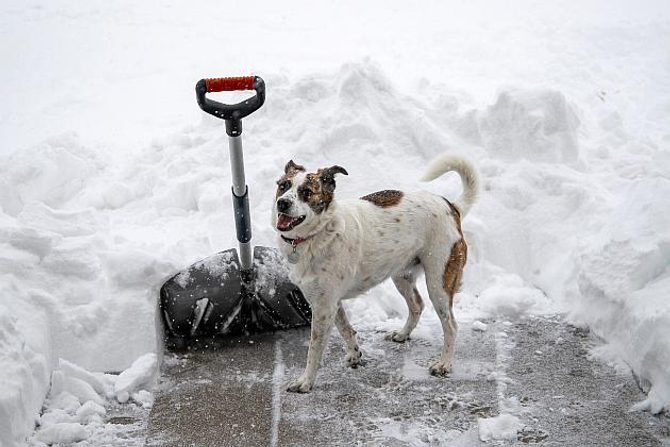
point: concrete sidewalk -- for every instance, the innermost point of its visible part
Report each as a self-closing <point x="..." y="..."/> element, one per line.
<point x="233" y="393"/>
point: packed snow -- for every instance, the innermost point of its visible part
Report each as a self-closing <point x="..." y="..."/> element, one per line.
<point x="479" y="326"/>
<point x="502" y="427"/>
<point x="76" y="406"/>
<point x="112" y="180"/>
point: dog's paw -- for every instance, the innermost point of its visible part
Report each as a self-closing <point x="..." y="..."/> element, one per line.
<point x="300" y="385"/>
<point x="355" y="359"/>
<point x="397" y="336"/>
<point x="440" y="369"/>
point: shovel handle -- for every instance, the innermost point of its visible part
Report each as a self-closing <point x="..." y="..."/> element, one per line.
<point x="231" y="113"/>
<point x="229" y="84"/>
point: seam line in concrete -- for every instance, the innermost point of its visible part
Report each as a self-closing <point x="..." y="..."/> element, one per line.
<point x="277" y="389"/>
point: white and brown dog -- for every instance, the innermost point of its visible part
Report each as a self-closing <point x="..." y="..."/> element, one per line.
<point x="339" y="249"/>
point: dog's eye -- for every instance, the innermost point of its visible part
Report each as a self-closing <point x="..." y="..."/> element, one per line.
<point x="284" y="185"/>
<point x="305" y="193"/>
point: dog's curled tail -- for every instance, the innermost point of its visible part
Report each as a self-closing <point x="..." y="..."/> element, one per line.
<point x="469" y="178"/>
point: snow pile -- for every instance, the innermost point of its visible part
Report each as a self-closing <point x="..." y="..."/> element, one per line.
<point x="479" y="326"/>
<point x="140" y="373"/>
<point x="625" y="272"/>
<point x="24" y="375"/>
<point x="538" y="125"/>
<point x="75" y="407"/>
<point x="499" y="428"/>
<point x="70" y="287"/>
<point x="508" y="295"/>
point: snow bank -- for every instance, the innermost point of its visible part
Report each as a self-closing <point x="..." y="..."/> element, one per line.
<point x="24" y="374"/>
<point x="625" y="273"/>
<point x="72" y="285"/>
<point x="75" y="408"/>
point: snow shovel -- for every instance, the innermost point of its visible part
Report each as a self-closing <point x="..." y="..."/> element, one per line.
<point x="228" y="293"/>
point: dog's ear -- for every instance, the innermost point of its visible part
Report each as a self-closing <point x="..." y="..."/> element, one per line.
<point x="291" y="168"/>
<point x="335" y="170"/>
<point x="328" y="177"/>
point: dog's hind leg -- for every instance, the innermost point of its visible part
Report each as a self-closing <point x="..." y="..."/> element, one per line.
<point x="349" y="335"/>
<point x="405" y="283"/>
<point x="442" y="279"/>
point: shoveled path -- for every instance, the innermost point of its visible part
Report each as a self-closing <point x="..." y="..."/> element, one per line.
<point x="231" y="393"/>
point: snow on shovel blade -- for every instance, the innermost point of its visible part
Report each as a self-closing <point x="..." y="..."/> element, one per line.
<point x="277" y="298"/>
<point x="214" y="297"/>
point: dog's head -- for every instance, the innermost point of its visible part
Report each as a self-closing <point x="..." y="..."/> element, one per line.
<point x="303" y="199"/>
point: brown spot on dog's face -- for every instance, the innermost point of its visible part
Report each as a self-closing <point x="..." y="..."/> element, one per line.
<point x="384" y="199"/>
<point x="318" y="189"/>
<point x="283" y="185"/>
<point x="286" y="181"/>
<point x="453" y="271"/>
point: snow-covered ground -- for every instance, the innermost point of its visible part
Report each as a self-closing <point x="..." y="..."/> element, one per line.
<point x="111" y="178"/>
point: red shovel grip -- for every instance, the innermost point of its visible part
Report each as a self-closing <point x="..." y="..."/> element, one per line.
<point x="231" y="113"/>
<point x="230" y="84"/>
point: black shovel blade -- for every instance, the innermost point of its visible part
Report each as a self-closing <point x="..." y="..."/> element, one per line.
<point x="277" y="298"/>
<point x="202" y="298"/>
<point x="214" y="297"/>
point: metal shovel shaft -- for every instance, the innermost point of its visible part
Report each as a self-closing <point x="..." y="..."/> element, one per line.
<point x="240" y="201"/>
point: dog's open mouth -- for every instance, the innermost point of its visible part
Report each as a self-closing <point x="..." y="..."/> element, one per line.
<point x="287" y="223"/>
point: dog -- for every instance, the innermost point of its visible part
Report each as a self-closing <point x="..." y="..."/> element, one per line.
<point x="339" y="249"/>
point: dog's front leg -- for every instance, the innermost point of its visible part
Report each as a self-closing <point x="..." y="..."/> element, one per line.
<point x="323" y="317"/>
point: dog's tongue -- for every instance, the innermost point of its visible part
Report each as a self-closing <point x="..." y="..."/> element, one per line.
<point x="284" y="222"/>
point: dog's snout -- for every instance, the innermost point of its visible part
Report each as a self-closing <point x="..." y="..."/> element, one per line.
<point x="283" y="205"/>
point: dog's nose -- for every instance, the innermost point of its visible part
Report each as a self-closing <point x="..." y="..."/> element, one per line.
<point x="283" y="205"/>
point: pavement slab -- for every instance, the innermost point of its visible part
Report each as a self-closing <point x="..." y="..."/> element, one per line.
<point x="231" y="392"/>
<point x="569" y="398"/>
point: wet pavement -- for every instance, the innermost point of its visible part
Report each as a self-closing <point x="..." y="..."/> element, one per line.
<point x="232" y="392"/>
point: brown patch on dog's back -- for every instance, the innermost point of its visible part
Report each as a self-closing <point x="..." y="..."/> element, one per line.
<point x="384" y="199"/>
<point x="453" y="271"/>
